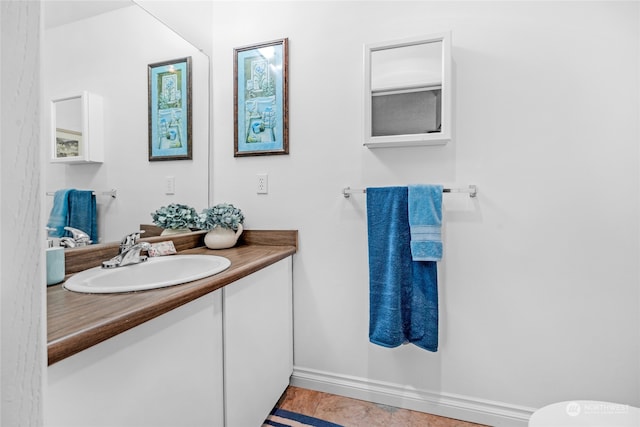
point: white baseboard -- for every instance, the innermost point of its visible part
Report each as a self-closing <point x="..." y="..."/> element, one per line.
<point x="443" y="404"/>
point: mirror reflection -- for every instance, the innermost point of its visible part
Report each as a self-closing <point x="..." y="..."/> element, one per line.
<point x="406" y="87"/>
<point x="108" y="54"/>
<point x="66" y="115"/>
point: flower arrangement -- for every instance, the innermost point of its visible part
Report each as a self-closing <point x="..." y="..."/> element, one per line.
<point x="175" y="216"/>
<point x="223" y="215"/>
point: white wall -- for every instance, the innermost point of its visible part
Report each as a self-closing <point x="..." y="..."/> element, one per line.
<point x="108" y="55"/>
<point x="539" y="289"/>
<point x="189" y="18"/>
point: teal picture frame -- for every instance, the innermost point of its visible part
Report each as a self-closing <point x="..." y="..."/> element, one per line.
<point x="170" y="110"/>
<point x="261" y="112"/>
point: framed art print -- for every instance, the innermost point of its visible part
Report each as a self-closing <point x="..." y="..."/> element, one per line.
<point x="170" y="110"/>
<point x="260" y="99"/>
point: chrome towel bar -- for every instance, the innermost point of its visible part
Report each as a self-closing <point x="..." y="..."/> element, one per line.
<point x="472" y="190"/>
<point x="112" y="193"/>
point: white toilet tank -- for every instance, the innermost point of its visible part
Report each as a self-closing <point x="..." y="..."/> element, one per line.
<point x="586" y="413"/>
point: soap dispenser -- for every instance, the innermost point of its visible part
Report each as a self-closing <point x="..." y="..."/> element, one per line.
<point x="55" y="263"/>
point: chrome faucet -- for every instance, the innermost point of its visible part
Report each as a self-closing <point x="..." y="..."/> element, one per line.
<point x="80" y="238"/>
<point x="129" y="252"/>
<point x="129" y="240"/>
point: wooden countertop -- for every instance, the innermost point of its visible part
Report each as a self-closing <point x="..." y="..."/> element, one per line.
<point x="77" y="321"/>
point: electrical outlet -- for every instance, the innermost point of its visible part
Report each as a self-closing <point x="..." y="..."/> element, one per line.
<point x="262" y="183"/>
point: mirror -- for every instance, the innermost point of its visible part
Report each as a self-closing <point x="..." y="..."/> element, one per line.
<point x="76" y="129"/>
<point x="408" y="92"/>
<point x="107" y="52"/>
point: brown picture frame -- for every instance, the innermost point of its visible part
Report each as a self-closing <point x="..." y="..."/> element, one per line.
<point x="260" y="99"/>
<point x="169" y="89"/>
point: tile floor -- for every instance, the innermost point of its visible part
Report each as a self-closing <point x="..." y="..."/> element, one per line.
<point x="357" y="413"/>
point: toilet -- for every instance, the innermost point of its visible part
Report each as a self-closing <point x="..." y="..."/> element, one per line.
<point x="586" y="413"/>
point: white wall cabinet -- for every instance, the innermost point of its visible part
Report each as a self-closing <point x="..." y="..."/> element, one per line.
<point x="171" y="371"/>
<point x="77" y="129"/>
<point x="407" y="92"/>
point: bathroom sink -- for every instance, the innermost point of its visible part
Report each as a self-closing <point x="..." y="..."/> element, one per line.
<point x="156" y="272"/>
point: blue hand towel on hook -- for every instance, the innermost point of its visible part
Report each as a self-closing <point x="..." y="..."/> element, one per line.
<point x="425" y="222"/>
<point x="403" y="300"/>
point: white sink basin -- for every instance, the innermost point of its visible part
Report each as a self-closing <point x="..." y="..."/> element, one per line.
<point x="156" y="272"/>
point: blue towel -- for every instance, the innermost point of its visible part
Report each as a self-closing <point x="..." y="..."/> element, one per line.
<point x="59" y="216"/>
<point x="425" y="221"/>
<point x="403" y="300"/>
<point x="82" y="212"/>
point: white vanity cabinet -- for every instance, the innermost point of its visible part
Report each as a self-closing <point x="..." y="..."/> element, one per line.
<point x="258" y="343"/>
<point x="165" y="372"/>
<point x="227" y="354"/>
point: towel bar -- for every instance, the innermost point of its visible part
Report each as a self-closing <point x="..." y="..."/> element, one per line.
<point x="112" y="193"/>
<point x="471" y="189"/>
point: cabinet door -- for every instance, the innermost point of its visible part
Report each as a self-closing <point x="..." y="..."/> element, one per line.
<point x="165" y="372"/>
<point x="258" y="343"/>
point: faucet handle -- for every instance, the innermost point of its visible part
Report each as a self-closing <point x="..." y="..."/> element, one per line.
<point x="77" y="233"/>
<point x="79" y="237"/>
<point x="130" y="239"/>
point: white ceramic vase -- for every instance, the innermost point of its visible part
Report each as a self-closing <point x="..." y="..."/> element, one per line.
<point x="171" y="231"/>
<point x="222" y="238"/>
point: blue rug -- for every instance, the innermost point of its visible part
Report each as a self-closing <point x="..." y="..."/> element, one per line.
<point x="282" y="418"/>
